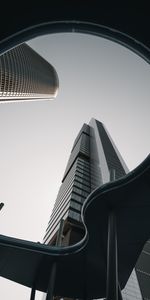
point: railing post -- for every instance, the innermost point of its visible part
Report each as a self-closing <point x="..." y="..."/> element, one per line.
<point x="51" y="284"/>
<point x="119" y="293"/>
<point x="112" y="259"/>
<point x="32" y="297"/>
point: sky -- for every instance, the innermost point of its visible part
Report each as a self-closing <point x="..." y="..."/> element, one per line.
<point x="97" y="78"/>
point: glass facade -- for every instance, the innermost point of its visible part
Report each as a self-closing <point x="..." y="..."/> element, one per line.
<point x="132" y="289"/>
<point x="76" y="186"/>
<point x="24" y="74"/>
<point x="143" y="271"/>
<point x="93" y="157"/>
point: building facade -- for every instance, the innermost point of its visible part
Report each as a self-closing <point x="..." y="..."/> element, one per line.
<point x="94" y="160"/>
<point x="25" y="75"/>
<point x="143" y="271"/>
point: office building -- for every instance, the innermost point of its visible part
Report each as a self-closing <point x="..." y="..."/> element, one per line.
<point x="94" y="160"/>
<point x="25" y="75"/>
<point x="143" y="271"/>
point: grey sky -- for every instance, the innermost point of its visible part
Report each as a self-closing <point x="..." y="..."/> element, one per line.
<point x="98" y="78"/>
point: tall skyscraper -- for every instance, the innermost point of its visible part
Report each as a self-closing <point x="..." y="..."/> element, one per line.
<point x="94" y="160"/>
<point x="25" y="75"/>
<point x="143" y="271"/>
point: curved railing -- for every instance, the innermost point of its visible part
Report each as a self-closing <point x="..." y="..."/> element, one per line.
<point x="117" y="225"/>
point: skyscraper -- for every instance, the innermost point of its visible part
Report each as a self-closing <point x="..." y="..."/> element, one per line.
<point x="143" y="271"/>
<point x="94" y="160"/>
<point x="24" y="74"/>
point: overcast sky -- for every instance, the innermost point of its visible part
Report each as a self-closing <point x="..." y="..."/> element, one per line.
<point x="98" y="78"/>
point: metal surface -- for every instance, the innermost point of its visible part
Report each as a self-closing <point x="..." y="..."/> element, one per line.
<point x="126" y="25"/>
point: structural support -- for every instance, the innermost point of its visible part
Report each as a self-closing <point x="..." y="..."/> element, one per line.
<point x="51" y="283"/>
<point x="119" y="293"/>
<point x="32" y="297"/>
<point x="112" y="259"/>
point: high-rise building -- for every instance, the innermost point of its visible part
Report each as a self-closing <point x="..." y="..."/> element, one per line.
<point x="143" y="271"/>
<point x="25" y="75"/>
<point x="94" y="160"/>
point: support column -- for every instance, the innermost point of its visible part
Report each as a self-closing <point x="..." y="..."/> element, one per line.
<point x="32" y="297"/>
<point x="119" y="293"/>
<point x="112" y="259"/>
<point x="51" y="283"/>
